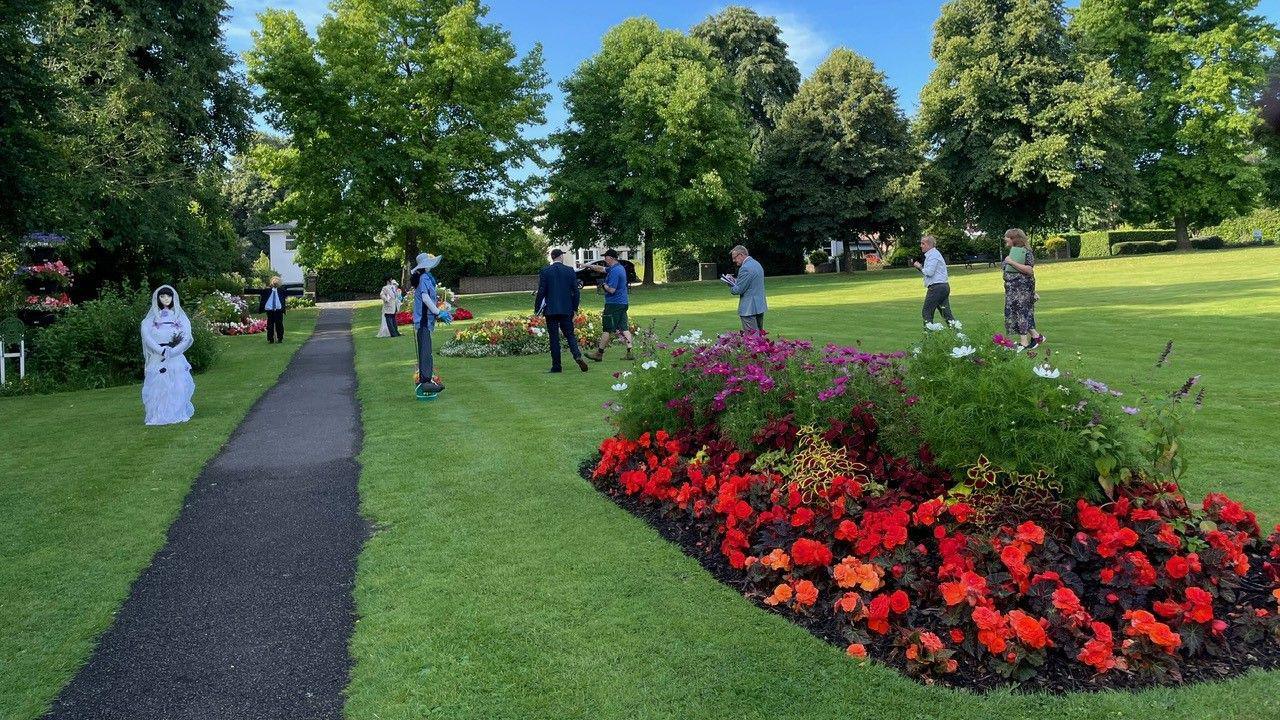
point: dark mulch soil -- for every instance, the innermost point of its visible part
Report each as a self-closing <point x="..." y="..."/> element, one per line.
<point x="1055" y="678"/>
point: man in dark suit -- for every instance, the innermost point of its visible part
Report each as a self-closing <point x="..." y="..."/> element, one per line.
<point x="557" y="301"/>
<point x="271" y="300"/>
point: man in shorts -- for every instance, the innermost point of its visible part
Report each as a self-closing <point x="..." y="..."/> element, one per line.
<point x="615" y="306"/>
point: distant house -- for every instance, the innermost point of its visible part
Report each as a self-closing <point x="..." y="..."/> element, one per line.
<point x="864" y="246"/>
<point x="585" y="256"/>
<point x="284" y="249"/>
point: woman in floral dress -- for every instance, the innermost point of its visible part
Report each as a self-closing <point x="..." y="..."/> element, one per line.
<point x="1020" y="289"/>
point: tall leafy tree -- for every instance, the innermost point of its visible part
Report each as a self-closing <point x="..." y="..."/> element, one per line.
<point x="29" y="155"/>
<point x="407" y="122"/>
<point x="1019" y="129"/>
<point x="253" y="194"/>
<point x="656" y="147"/>
<point x="838" y="164"/>
<point x="149" y="103"/>
<point x="1200" y="65"/>
<point x="752" y="50"/>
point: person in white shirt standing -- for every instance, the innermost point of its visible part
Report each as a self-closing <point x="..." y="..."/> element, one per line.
<point x="271" y="300"/>
<point x="937" y="294"/>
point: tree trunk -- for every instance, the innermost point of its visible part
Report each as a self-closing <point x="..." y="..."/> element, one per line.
<point x="410" y="255"/>
<point x="646" y="247"/>
<point x="846" y="257"/>
<point x="1180" y="232"/>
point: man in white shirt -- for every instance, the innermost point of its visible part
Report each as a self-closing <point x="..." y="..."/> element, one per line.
<point x="271" y="300"/>
<point x="937" y="294"/>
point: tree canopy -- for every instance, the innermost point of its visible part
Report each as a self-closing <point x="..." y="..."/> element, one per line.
<point x="1019" y="129"/>
<point x="656" y="147"/>
<point x="1199" y="66"/>
<point x="752" y="50"/>
<point x="838" y="163"/>
<point x="407" y="124"/>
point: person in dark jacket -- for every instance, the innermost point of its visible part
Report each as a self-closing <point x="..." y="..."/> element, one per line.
<point x="272" y="300"/>
<point x="557" y="300"/>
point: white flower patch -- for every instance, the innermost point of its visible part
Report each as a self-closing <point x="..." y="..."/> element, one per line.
<point x="619" y="387"/>
<point x="693" y="337"/>
<point x="649" y="364"/>
<point x="955" y="324"/>
<point x="933" y="326"/>
<point x="1047" y="372"/>
<point x="963" y="351"/>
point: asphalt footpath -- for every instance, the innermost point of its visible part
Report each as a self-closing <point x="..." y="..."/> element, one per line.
<point x="247" y="611"/>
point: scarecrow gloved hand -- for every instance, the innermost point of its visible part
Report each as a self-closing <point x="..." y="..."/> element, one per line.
<point x="446" y="316"/>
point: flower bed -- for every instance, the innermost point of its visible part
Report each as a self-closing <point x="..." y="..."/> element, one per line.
<point x="518" y="335"/>
<point x="248" y="327"/>
<point x="808" y="479"/>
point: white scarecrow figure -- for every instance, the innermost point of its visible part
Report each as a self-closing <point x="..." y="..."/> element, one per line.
<point x="167" y="385"/>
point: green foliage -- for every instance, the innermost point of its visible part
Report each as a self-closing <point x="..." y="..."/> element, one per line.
<point x="220" y="307"/>
<point x="752" y="50"/>
<point x="1239" y="230"/>
<point x="261" y="272"/>
<point x="656" y="147"/>
<point x="29" y="152"/>
<point x="903" y="254"/>
<point x="295" y="302"/>
<point x="993" y="403"/>
<point x="253" y="194"/>
<point x="407" y="121"/>
<point x="839" y="161"/>
<point x="1073" y="243"/>
<point x="1142" y="247"/>
<point x="818" y="257"/>
<point x="1056" y="245"/>
<point x="1198" y="64"/>
<point x="1094" y="244"/>
<point x="96" y="344"/>
<point x="148" y="104"/>
<point x="1021" y="129"/>
<point x="1207" y="242"/>
<point x="362" y="278"/>
<point x="1141" y="235"/>
<point x="198" y="287"/>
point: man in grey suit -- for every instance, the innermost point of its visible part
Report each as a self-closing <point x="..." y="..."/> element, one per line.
<point x="749" y="287"/>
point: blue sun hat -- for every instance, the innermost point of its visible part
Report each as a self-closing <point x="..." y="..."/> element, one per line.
<point x="427" y="261"/>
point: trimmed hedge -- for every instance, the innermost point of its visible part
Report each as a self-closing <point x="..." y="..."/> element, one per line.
<point x="1094" y="244"/>
<point x="1115" y="237"/>
<point x="362" y="278"/>
<point x="1074" y="243"/>
<point x="1239" y="230"/>
<point x="1208" y="242"/>
<point x="1142" y="247"/>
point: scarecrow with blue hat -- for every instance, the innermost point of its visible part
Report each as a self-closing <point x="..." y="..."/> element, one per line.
<point x="426" y="308"/>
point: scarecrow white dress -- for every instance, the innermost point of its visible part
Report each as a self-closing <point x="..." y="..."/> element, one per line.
<point x="167" y="385"/>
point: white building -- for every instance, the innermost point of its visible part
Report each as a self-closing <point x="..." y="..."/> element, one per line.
<point x="284" y="249"/>
<point x="586" y="256"/>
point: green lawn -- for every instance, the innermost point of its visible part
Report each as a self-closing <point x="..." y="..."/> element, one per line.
<point x="87" y="493"/>
<point x="500" y="585"/>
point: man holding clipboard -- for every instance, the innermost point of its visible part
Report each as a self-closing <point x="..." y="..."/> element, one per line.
<point x="749" y="287"/>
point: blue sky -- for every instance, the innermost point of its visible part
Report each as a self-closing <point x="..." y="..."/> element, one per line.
<point x="895" y="34"/>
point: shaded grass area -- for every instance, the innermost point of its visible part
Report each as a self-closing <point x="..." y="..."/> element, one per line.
<point x="501" y="585"/>
<point x="87" y="493"/>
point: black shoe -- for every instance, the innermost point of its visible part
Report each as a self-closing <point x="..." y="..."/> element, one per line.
<point x="581" y="363"/>
<point x="555" y="370"/>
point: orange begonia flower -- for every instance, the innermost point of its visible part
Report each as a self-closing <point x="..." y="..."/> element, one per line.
<point x="777" y="560"/>
<point x="857" y="650"/>
<point x="853" y="573"/>
<point x="806" y="593"/>
<point x="781" y="594"/>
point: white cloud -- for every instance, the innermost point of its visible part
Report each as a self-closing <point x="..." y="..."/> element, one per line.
<point x="805" y="43"/>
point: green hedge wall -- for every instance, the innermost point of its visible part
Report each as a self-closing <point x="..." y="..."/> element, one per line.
<point x="1115" y="237"/>
<point x="1094" y="244"/>
<point x="1208" y="242"/>
<point x="1142" y="247"/>
<point x="1239" y="230"/>
<point x="360" y="278"/>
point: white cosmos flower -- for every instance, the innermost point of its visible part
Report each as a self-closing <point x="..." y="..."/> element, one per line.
<point x="649" y="364"/>
<point x="933" y="326"/>
<point x="962" y="336"/>
<point x="619" y="387"/>
<point x="955" y="324"/>
<point x="1046" y="372"/>
<point x="963" y="351"/>
<point x="625" y="374"/>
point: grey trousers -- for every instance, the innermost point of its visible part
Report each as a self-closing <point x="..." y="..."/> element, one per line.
<point x="752" y="323"/>
<point x="426" y="364"/>
<point x="938" y="298"/>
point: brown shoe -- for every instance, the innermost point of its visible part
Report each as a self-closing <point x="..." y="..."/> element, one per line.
<point x="597" y="356"/>
<point x="581" y="363"/>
